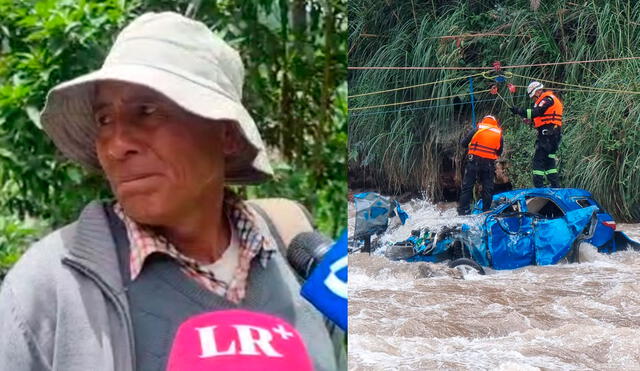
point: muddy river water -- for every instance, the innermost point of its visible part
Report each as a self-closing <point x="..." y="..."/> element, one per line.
<point x="423" y="316"/>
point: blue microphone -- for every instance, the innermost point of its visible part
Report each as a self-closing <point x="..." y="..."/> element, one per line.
<point x="324" y="266"/>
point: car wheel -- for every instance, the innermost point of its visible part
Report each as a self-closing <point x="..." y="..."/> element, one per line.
<point x="465" y="266"/>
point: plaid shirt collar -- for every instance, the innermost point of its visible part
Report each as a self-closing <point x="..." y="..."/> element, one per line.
<point x="144" y="242"/>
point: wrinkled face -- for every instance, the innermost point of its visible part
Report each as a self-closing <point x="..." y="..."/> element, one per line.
<point x="160" y="160"/>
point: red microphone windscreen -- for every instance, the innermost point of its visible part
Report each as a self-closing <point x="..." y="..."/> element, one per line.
<point x="237" y="340"/>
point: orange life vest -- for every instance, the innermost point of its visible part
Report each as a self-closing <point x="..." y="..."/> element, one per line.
<point x="553" y="113"/>
<point x="486" y="141"/>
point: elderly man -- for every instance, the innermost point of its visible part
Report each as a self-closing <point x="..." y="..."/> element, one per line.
<point x="163" y="120"/>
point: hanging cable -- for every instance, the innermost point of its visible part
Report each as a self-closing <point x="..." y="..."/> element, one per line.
<point x="473" y="103"/>
<point x="579" y="86"/>
<point x="491" y="68"/>
<point x="414" y="101"/>
<point x="423" y="108"/>
<point x="413" y="86"/>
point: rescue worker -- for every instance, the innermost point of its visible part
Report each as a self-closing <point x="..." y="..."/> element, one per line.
<point x="546" y="114"/>
<point x="484" y="147"/>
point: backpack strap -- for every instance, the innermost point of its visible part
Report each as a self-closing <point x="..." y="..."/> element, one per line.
<point x="284" y="218"/>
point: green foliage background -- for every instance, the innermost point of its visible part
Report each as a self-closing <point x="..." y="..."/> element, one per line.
<point x="404" y="148"/>
<point x="295" y="58"/>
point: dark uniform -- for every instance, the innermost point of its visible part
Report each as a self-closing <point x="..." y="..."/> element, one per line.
<point x="547" y="119"/>
<point x="484" y="146"/>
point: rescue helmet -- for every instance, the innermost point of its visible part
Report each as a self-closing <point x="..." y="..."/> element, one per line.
<point x="490" y="120"/>
<point x="533" y="88"/>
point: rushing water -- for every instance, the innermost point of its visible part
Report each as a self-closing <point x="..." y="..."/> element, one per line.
<point x="423" y="316"/>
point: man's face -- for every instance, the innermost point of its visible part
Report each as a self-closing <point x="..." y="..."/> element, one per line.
<point x="160" y="160"/>
<point x="537" y="94"/>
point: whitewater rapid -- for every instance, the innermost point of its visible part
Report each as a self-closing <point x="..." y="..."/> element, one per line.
<point x="423" y="316"/>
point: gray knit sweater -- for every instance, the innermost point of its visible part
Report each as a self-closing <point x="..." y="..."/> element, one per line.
<point x="64" y="305"/>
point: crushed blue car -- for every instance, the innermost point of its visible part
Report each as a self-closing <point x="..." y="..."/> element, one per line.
<point x="539" y="226"/>
<point x="372" y="216"/>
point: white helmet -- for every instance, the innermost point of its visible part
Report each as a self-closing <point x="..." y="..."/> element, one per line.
<point x="533" y="88"/>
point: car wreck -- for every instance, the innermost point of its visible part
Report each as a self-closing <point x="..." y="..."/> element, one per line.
<point x="539" y="226"/>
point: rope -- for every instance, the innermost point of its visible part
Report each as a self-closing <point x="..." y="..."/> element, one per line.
<point x="589" y="91"/>
<point x="414" y="101"/>
<point x="419" y="68"/>
<point x="505" y="102"/>
<point x="505" y="74"/>
<point x="581" y="86"/>
<point x="427" y="107"/>
<point x="567" y="89"/>
<point x="571" y="62"/>
<point x="473" y="103"/>
<point x="412" y="86"/>
<point x="490" y="68"/>
<point x="493" y="107"/>
<point x="467" y="35"/>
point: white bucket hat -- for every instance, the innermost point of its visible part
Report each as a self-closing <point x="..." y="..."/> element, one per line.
<point x="177" y="57"/>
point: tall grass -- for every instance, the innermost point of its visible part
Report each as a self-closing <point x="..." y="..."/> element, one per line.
<point x="406" y="147"/>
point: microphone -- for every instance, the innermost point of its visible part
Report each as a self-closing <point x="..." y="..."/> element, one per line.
<point x="237" y="340"/>
<point x="323" y="265"/>
<point x="306" y="250"/>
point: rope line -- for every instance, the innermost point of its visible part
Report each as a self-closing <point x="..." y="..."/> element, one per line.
<point x="493" y="107"/>
<point x="568" y="89"/>
<point x="427" y="107"/>
<point x="580" y="86"/>
<point x="490" y="68"/>
<point x="413" y="86"/>
<point x="505" y="74"/>
<point x="572" y="62"/>
<point x="505" y="102"/>
<point x="473" y="103"/>
<point x="467" y="35"/>
<point x="419" y="68"/>
<point x="415" y="101"/>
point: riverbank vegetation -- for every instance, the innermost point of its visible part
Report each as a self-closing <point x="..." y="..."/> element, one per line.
<point x="398" y="147"/>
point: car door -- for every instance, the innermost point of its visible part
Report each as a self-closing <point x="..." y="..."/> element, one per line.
<point x="510" y="240"/>
<point x="509" y="236"/>
<point x="554" y="237"/>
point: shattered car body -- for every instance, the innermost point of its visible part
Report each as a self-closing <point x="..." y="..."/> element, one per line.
<point x="540" y="226"/>
<point x="372" y="216"/>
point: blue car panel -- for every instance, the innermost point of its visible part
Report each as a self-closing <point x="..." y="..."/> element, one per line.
<point x="510" y="241"/>
<point x="568" y="199"/>
<point x="555" y="237"/>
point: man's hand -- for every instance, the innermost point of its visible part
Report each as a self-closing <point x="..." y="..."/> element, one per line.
<point x="517" y="111"/>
